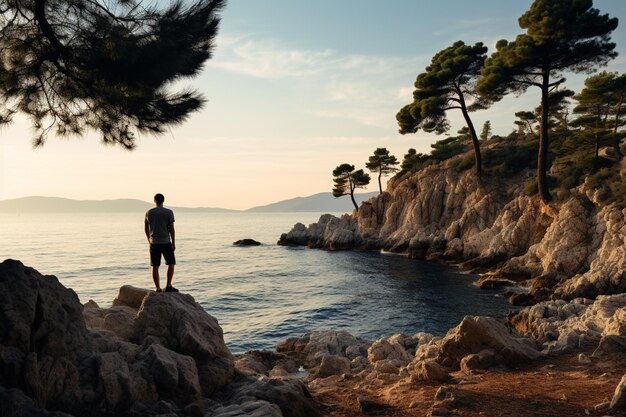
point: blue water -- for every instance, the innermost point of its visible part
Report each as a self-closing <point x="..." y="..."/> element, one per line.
<point x="259" y="294"/>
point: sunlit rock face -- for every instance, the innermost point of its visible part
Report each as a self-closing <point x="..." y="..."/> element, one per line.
<point x="576" y="246"/>
<point x="558" y="326"/>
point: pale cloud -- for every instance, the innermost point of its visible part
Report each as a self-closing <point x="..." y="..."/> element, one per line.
<point x="270" y="59"/>
<point x="357" y="87"/>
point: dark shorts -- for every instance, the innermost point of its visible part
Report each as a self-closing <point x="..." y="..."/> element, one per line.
<point x="156" y="249"/>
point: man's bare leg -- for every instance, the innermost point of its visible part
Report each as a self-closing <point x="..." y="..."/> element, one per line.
<point x="170" y="275"/>
<point x="155" y="277"/>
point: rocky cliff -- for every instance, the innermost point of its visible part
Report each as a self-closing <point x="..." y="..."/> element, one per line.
<point x="573" y="247"/>
<point x="149" y="354"/>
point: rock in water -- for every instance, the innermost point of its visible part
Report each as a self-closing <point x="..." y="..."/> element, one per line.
<point x="246" y="242"/>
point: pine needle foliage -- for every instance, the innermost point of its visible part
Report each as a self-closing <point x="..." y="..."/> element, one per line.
<point x="103" y="65"/>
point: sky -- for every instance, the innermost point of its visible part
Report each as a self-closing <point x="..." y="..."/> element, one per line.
<point x="295" y="88"/>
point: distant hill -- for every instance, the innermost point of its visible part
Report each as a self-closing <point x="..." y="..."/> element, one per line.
<point x="321" y="202"/>
<point x="66" y="205"/>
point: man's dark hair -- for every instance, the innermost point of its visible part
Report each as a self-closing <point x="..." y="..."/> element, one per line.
<point x="158" y="198"/>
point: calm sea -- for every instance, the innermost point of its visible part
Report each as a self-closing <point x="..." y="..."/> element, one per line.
<point x="259" y="294"/>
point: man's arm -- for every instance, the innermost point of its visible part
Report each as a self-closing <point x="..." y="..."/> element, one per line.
<point x="173" y="235"/>
<point x="147" y="229"/>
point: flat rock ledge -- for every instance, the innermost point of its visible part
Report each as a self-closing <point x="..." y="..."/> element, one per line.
<point x="149" y="354"/>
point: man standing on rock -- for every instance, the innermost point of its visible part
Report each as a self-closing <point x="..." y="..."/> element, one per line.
<point x="159" y="227"/>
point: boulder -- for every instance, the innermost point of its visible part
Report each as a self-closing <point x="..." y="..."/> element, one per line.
<point x="14" y="402"/>
<point x="391" y="348"/>
<point x="311" y="347"/>
<point x="42" y="336"/>
<point x="475" y="334"/>
<point x="246" y="242"/>
<point x="332" y="365"/>
<point x="481" y="360"/>
<point x="428" y="370"/>
<point x="290" y="395"/>
<point x="255" y="408"/>
<point x="130" y="296"/>
<point x="580" y="324"/>
<point x="177" y="322"/>
<point x="618" y="402"/>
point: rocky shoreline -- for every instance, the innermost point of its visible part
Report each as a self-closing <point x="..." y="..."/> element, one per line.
<point x="157" y="354"/>
<point x="572" y="248"/>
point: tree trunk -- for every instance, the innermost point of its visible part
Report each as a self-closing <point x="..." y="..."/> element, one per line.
<point x="542" y="155"/>
<point x="356" y="207"/>
<point x="597" y="149"/>
<point x="380" y="174"/>
<point x="616" y="139"/>
<point x="477" y="158"/>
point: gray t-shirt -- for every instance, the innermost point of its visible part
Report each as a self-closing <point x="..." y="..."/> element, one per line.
<point x="159" y="220"/>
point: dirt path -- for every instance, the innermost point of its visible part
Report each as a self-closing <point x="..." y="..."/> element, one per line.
<point x="549" y="387"/>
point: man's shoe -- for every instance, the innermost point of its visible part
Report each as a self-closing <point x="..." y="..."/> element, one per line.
<point x="159" y="290"/>
<point x="169" y="288"/>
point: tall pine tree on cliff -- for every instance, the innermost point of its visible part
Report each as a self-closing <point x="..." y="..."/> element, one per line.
<point x="108" y="66"/>
<point x="561" y="35"/>
<point x="382" y="163"/>
<point x="447" y="84"/>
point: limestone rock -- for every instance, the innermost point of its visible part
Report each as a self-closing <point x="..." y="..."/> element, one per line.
<point x="175" y="375"/>
<point x="290" y="395"/>
<point x="246" y="242"/>
<point x="161" y="359"/>
<point x="475" y="334"/>
<point x="581" y="324"/>
<point x="311" y="347"/>
<point x="15" y="402"/>
<point x="481" y="360"/>
<point x="368" y="406"/>
<point x="429" y="370"/>
<point x="333" y="365"/>
<point x="130" y="296"/>
<point x="42" y="336"/>
<point x="177" y="322"/>
<point x="257" y="408"/>
<point x="329" y="232"/>
<point x="439" y="213"/>
<point x="619" y="397"/>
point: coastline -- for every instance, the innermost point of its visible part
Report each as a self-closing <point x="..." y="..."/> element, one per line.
<point x="162" y="353"/>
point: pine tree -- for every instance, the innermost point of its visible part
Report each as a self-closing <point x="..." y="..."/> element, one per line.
<point x="447" y="84"/>
<point x="599" y="109"/>
<point x="382" y="163"/>
<point x="347" y="180"/>
<point x="561" y="35"/>
<point x="108" y="66"/>
<point x="486" y="132"/>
